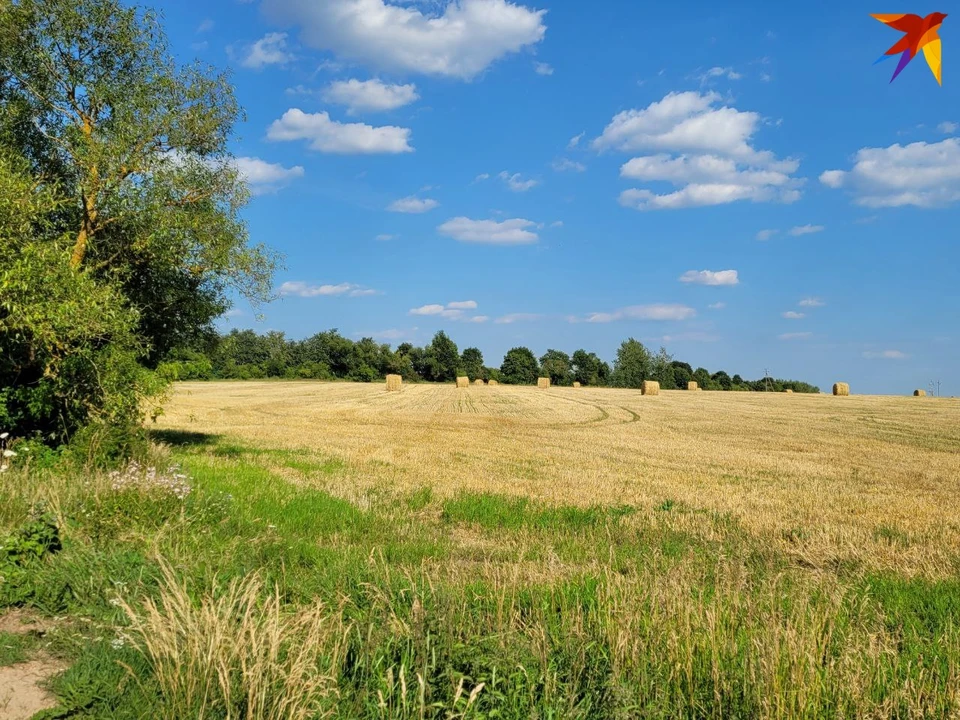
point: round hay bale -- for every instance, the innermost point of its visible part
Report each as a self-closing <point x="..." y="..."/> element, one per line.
<point x="841" y="389"/>
<point x="394" y="383"/>
<point x="692" y="385"/>
<point x="543" y="383"/>
<point x="650" y="387"/>
<point x="492" y="383"/>
<point x="788" y="391"/>
<point x="919" y="393"/>
<point x="463" y="382"/>
<point x="479" y="382"/>
<point x="576" y="384"/>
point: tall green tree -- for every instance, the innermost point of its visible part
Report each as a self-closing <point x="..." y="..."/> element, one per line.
<point x="142" y="197"/>
<point x="472" y="363"/>
<point x="555" y="364"/>
<point x="661" y="369"/>
<point x="519" y="367"/>
<point x="633" y="364"/>
<point x="446" y="358"/>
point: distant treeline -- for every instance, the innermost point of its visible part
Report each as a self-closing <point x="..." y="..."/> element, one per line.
<point x="245" y="355"/>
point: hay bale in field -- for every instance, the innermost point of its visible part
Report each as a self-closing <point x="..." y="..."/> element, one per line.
<point x="788" y="391"/>
<point x="692" y="385"/>
<point x="394" y="383"/>
<point x="463" y="382"/>
<point x="919" y="393"/>
<point x="842" y="389"/>
<point x="576" y="384"/>
<point x="650" y="387"/>
<point x="543" y="383"/>
<point x="492" y="383"/>
<point x="479" y="382"/>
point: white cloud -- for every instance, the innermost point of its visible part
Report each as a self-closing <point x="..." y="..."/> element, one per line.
<point x="806" y="230"/>
<point x="413" y="205"/>
<point x="795" y="336"/>
<point x="234" y="313"/>
<point x="717" y="306"/>
<point x="715" y="73"/>
<point x="812" y="302"/>
<point x="921" y="174"/>
<point x="479" y="319"/>
<point x="885" y="355"/>
<point x="385" y="236"/>
<point x="563" y="164"/>
<point x="463" y="305"/>
<point x="542" y="68"/>
<point x="369" y="95"/>
<point x="329" y="136"/>
<point x="428" y="310"/>
<point x="461" y="39"/>
<point x="948" y="128"/>
<point x="701" y="147"/>
<point x="557" y="224"/>
<point x="507" y="232"/>
<point x="832" y="178"/>
<point x="793" y="315"/>
<point x="271" y="49"/>
<point x="392" y="334"/>
<point x="305" y="290"/>
<point x="658" y="311"/>
<point x="450" y="311"/>
<point x="516" y="183"/>
<point x="264" y="177"/>
<point x="766" y="234"/>
<point x="711" y="277"/>
<point x="515" y="318"/>
<point x="575" y="140"/>
<point x="481" y="177"/>
<point x="205" y="26"/>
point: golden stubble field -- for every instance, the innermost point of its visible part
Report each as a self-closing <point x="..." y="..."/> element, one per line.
<point x="871" y="478"/>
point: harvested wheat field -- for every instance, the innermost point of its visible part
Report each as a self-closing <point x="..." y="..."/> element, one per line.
<point x="827" y="479"/>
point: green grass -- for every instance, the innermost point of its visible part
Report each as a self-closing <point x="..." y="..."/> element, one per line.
<point x="553" y="612"/>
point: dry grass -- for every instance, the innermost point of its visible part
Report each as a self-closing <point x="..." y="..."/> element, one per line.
<point x="394" y="383"/>
<point x="872" y="479"/>
<point x="543" y="383"/>
<point x="842" y="389"/>
<point x="650" y="387"/>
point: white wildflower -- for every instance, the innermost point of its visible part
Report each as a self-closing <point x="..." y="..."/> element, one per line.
<point x="9" y="453"/>
<point x="4" y="436"/>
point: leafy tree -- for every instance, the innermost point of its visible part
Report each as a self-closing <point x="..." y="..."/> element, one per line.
<point x="446" y="358"/>
<point x="586" y="368"/>
<point x="472" y="363"/>
<point x="702" y="377"/>
<point x="661" y="369"/>
<point x="722" y="379"/>
<point x="633" y="365"/>
<point x="555" y="364"/>
<point x="140" y="200"/>
<point x="519" y="367"/>
<point x="682" y="374"/>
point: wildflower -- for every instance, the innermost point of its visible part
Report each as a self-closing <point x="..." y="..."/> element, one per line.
<point x="9" y="453"/>
<point x="117" y="643"/>
<point x="4" y="435"/>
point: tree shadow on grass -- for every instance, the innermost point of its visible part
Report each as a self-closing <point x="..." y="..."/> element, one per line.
<point x="184" y="438"/>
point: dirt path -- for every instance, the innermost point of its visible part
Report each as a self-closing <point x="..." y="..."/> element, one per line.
<point x="21" y="692"/>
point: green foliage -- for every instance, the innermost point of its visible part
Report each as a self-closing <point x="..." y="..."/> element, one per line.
<point x="633" y="365"/>
<point x="21" y="550"/>
<point x="519" y="367"/>
<point x="555" y="364"/>
<point x="588" y="369"/>
<point x="471" y="361"/>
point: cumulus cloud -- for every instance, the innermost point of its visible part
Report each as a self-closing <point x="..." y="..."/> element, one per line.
<point x="575" y="140"/>
<point x="479" y="319"/>
<point x="885" y="355"/>
<point x="717" y="306"/>
<point x="795" y="336"/>
<point x="921" y="174"/>
<point x="271" y="49"/>
<point x="711" y="277"/>
<point x="463" y="305"/>
<point x="299" y="288"/>
<point x="658" y="311"/>
<point x="413" y="205"/>
<point x="793" y="315"/>
<point x="369" y="95"/>
<point x="330" y="136"/>
<point x="701" y="147"/>
<point x="450" y="311"/>
<point x="515" y="231"/>
<point x="812" y="302"/>
<point x="481" y="177"/>
<point x="542" y="68"/>
<point x="948" y="128"/>
<point x="461" y="39"/>
<point x="516" y="183"/>
<point x="806" y="230"/>
<point x="766" y="234"/>
<point x="264" y="177"/>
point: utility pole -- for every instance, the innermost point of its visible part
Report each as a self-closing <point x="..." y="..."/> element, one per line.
<point x="766" y="380"/>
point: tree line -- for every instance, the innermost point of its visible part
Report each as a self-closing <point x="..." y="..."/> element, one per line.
<point x="328" y="355"/>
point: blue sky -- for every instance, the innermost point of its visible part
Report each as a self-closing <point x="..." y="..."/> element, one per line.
<point x="738" y="183"/>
